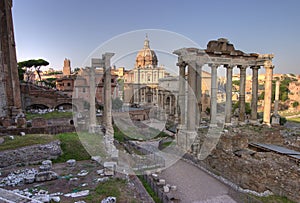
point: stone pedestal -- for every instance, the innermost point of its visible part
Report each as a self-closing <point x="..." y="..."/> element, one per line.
<point x="185" y="139"/>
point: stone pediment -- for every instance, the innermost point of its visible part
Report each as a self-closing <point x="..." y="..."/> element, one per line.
<point x="222" y="46"/>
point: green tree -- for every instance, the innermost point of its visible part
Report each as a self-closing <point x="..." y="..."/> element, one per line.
<point x="36" y="63"/>
<point x="247" y="107"/>
<point x="295" y="104"/>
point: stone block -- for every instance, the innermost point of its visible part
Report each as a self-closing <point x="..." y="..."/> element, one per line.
<point x="71" y="162"/>
<point x="166" y="189"/>
<point x="39" y="122"/>
<point x="21" y="122"/>
<point x="45" y="176"/>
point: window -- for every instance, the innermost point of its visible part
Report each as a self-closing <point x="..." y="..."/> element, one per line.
<point x="69" y="84"/>
<point x="83" y="89"/>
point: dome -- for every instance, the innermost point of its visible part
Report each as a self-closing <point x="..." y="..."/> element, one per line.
<point x="146" y="57"/>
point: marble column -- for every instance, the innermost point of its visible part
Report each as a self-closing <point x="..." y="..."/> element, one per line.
<point x="181" y="93"/>
<point x="242" y="106"/>
<point x="199" y="92"/>
<point x="214" y="90"/>
<point x="276" y="97"/>
<point x="254" y="92"/>
<point x="191" y="105"/>
<point x="92" y="124"/>
<point x="107" y="102"/>
<point x="268" y="92"/>
<point x="228" y="105"/>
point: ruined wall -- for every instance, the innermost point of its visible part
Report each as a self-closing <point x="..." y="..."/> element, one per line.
<point x="258" y="171"/>
<point x="30" y="154"/>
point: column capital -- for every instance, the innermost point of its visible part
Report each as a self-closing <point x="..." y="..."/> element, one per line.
<point x="242" y="67"/>
<point x="181" y="63"/>
<point x="213" y="65"/>
<point x="229" y="66"/>
<point x="255" y="67"/>
<point x="268" y="65"/>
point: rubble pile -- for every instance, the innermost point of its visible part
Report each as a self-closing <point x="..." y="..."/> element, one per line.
<point x="19" y="177"/>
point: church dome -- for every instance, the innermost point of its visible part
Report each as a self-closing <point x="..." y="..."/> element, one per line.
<point x="146" y="57"/>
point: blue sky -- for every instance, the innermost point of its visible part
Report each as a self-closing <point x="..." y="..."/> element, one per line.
<point x="56" y="29"/>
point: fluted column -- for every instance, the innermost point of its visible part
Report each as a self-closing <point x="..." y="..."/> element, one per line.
<point x="228" y="105"/>
<point x="242" y="106"/>
<point x="191" y="106"/>
<point x="254" y="92"/>
<point x="181" y="93"/>
<point x="268" y="92"/>
<point x="214" y="90"/>
<point x="199" y="92"/>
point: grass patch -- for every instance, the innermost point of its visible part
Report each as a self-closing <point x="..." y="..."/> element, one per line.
<point x="149" y="190"/>
<point x="54" y="114"/>
<point x="275" y="199"/>
<point x="166" y="144"/>
<point x="114" y="187"/>
<point x="27" y="140"/>
<point x="72" y="148"/>
<point x="296" y="120"/>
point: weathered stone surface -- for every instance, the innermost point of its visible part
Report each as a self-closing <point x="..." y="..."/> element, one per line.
<point x="71" y="162"/>
<point x="30" y="154"/>
<point x="45" y="176"/>
<point x="39" y="122"/>
<point x="109" y="200"/>
<point x="258" y="171"/>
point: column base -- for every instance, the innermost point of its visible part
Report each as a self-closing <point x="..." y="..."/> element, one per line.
<point x="275" y="120"/>
<point x="94" y="129"/>
<point x="185" y="139"/>
<point x="227" y="124"/>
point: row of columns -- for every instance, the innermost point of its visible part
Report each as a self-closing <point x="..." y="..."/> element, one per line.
<point x="194" y="91"/>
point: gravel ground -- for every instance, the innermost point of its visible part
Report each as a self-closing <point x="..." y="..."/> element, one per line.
<point x="194" y="185"/>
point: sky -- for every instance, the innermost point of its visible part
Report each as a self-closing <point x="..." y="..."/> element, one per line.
<point x="77" y="29"/>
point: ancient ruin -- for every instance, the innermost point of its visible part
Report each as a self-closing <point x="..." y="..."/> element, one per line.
<point x="10" y="103"/>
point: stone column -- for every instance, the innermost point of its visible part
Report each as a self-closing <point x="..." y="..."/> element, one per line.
<point x="92" y="101"/>
<point x="214" y="90"/>
<point x="199" y="92"/>
<point x="228" y="105"/>
<point x="242" y="106"/>
<point x="181" y="93"/>
<point x="254" y="92"/>
<point x="191" y="105"/>
<point x="170" y="105"/>
<point x="107" y="102"/>
<point x="276" y="97"/>
<point x="268" y="92"/>
<point x="10" y="102"/>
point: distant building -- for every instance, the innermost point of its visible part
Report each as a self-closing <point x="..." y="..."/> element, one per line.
<point x="141" y="83"/>
<point x="67" y="67"/>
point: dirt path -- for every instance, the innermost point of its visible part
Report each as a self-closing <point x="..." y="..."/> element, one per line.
<point x="194" y="185"/>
